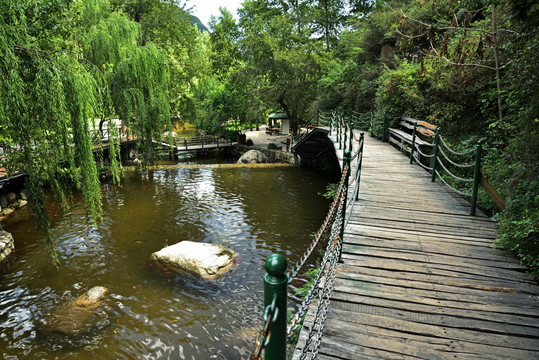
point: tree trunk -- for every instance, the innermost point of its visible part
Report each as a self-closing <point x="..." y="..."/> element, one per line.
<point x="497" y="66"/>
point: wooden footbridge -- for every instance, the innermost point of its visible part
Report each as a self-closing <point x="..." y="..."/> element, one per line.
<point x="418" y="278"/>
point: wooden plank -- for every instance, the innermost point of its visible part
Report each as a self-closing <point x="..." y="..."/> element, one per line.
<point x="447" y="332"/>
<point x="427" y="268"/>
<point x="348" y="300"/>
<point x="505" y="296"/>
<point x="428" y="347"/>
<point x="501" y="269"/>
<point x="387" y="242"/>
<point x="529" y="287"/>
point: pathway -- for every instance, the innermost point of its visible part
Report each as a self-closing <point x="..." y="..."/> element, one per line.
<point x="420" y="277"/>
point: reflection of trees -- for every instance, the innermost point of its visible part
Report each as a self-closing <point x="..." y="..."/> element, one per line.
<point x="280" y="204"/>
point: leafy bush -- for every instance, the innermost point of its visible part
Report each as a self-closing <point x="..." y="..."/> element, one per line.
<point x="249" y="142"/>
<point x="272" y="146"/>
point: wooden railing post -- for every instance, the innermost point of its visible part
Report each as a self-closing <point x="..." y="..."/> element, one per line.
<point x="413" y="144"/>
<point x="476" y="178"/>
<point x="435" y="158"/>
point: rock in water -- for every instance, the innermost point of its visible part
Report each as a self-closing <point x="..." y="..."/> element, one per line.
<point x="6" y="244"/>
<point x="80" y="315"/>
<point x="201" y="259"/>
<point x="252" y="157"/>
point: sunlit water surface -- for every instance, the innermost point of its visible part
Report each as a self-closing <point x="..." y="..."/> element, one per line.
<point x="153" y="313"/>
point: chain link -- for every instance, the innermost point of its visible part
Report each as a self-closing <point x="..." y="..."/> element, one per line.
<point x="321" y="232"/>
<point x="453" y="175"/>
<point x="264" y="335"/>
<point x="428" y="168"/>
<point x="313" y="340"/>
<point x="454" y="163"/>
<point x="451" y="187"/>
<point x="453" y="151"/>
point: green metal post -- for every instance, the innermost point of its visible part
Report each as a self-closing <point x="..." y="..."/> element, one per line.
<point x="435" y="159"/>
<point x="413" y="145"/>
<point x="346" y="162"/>
<point x="345" y="133"/>
<point x="330" y="125"/>
<point x="317" y="116"/>
<point x="371" y="130"/>
<point x="351" y="134"/>
<point x="384" y="128"/>
<point x="340" y="131"/>
<point x="276" y="284"/>
<point x="361" y="145"/>
<point x="476" y="178"/>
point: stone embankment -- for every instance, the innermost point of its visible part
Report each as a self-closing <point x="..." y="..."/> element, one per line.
<point x="6" y="245"/>
<point x="9" y="202"/>
<point x="270" y="155"/>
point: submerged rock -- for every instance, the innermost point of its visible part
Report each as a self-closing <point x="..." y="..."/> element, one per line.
<point x="6" y="244"/>
<point x="201" y="259"/>
<point x="80" y="315"/>
<point x="252" y="157"/>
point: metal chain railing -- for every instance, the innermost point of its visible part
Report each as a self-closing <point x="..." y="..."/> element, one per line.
<point x="314" y="336"/>
<point x="336" y="220"/>
<point x="442" y="141"/>
<point x="264" y="335"/>
<point x="323" y="265"/>
<point x="440" y="159"/>
<point x="321" y="232"/>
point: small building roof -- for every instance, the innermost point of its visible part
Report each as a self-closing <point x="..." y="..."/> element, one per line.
<point x="280" y="115"/>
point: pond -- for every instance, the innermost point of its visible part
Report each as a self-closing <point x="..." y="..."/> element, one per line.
<point x="154" y="313"/>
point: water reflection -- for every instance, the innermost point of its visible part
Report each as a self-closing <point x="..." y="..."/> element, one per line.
<point x="155" y="313"/>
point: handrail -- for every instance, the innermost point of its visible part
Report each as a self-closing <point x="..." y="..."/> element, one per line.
<point x="335" y="222"/>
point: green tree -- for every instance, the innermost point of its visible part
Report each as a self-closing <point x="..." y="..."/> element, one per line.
<point x="224" y="43"/>
<point x="47" y="97"/>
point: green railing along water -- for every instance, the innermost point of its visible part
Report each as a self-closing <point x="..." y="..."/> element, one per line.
<point x="271" y="340"/>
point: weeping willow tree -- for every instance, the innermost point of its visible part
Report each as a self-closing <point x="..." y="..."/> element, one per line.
<point x="140" y="94"/>
<point x="47" y="98"/>
<point x="107" y="39"/>
<point x="136" y="77"/>
<point x="60" y="61"/>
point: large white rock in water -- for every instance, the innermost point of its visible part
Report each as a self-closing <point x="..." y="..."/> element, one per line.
<point x="201" y="259"/>
<point x="252" y="157"/>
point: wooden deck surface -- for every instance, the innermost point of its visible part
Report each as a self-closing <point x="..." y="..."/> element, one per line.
<point x="420" y="277"/>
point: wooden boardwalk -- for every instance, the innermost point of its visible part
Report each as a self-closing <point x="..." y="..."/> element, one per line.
<point x="420" y="277"/>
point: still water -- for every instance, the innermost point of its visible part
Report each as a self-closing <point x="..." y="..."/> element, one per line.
<point x="155" y="314"/>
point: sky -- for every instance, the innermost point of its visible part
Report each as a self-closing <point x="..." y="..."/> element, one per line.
<point x="204" y="9"/>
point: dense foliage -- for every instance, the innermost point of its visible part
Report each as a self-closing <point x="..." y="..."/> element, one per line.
<point x="468" y="66"/>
